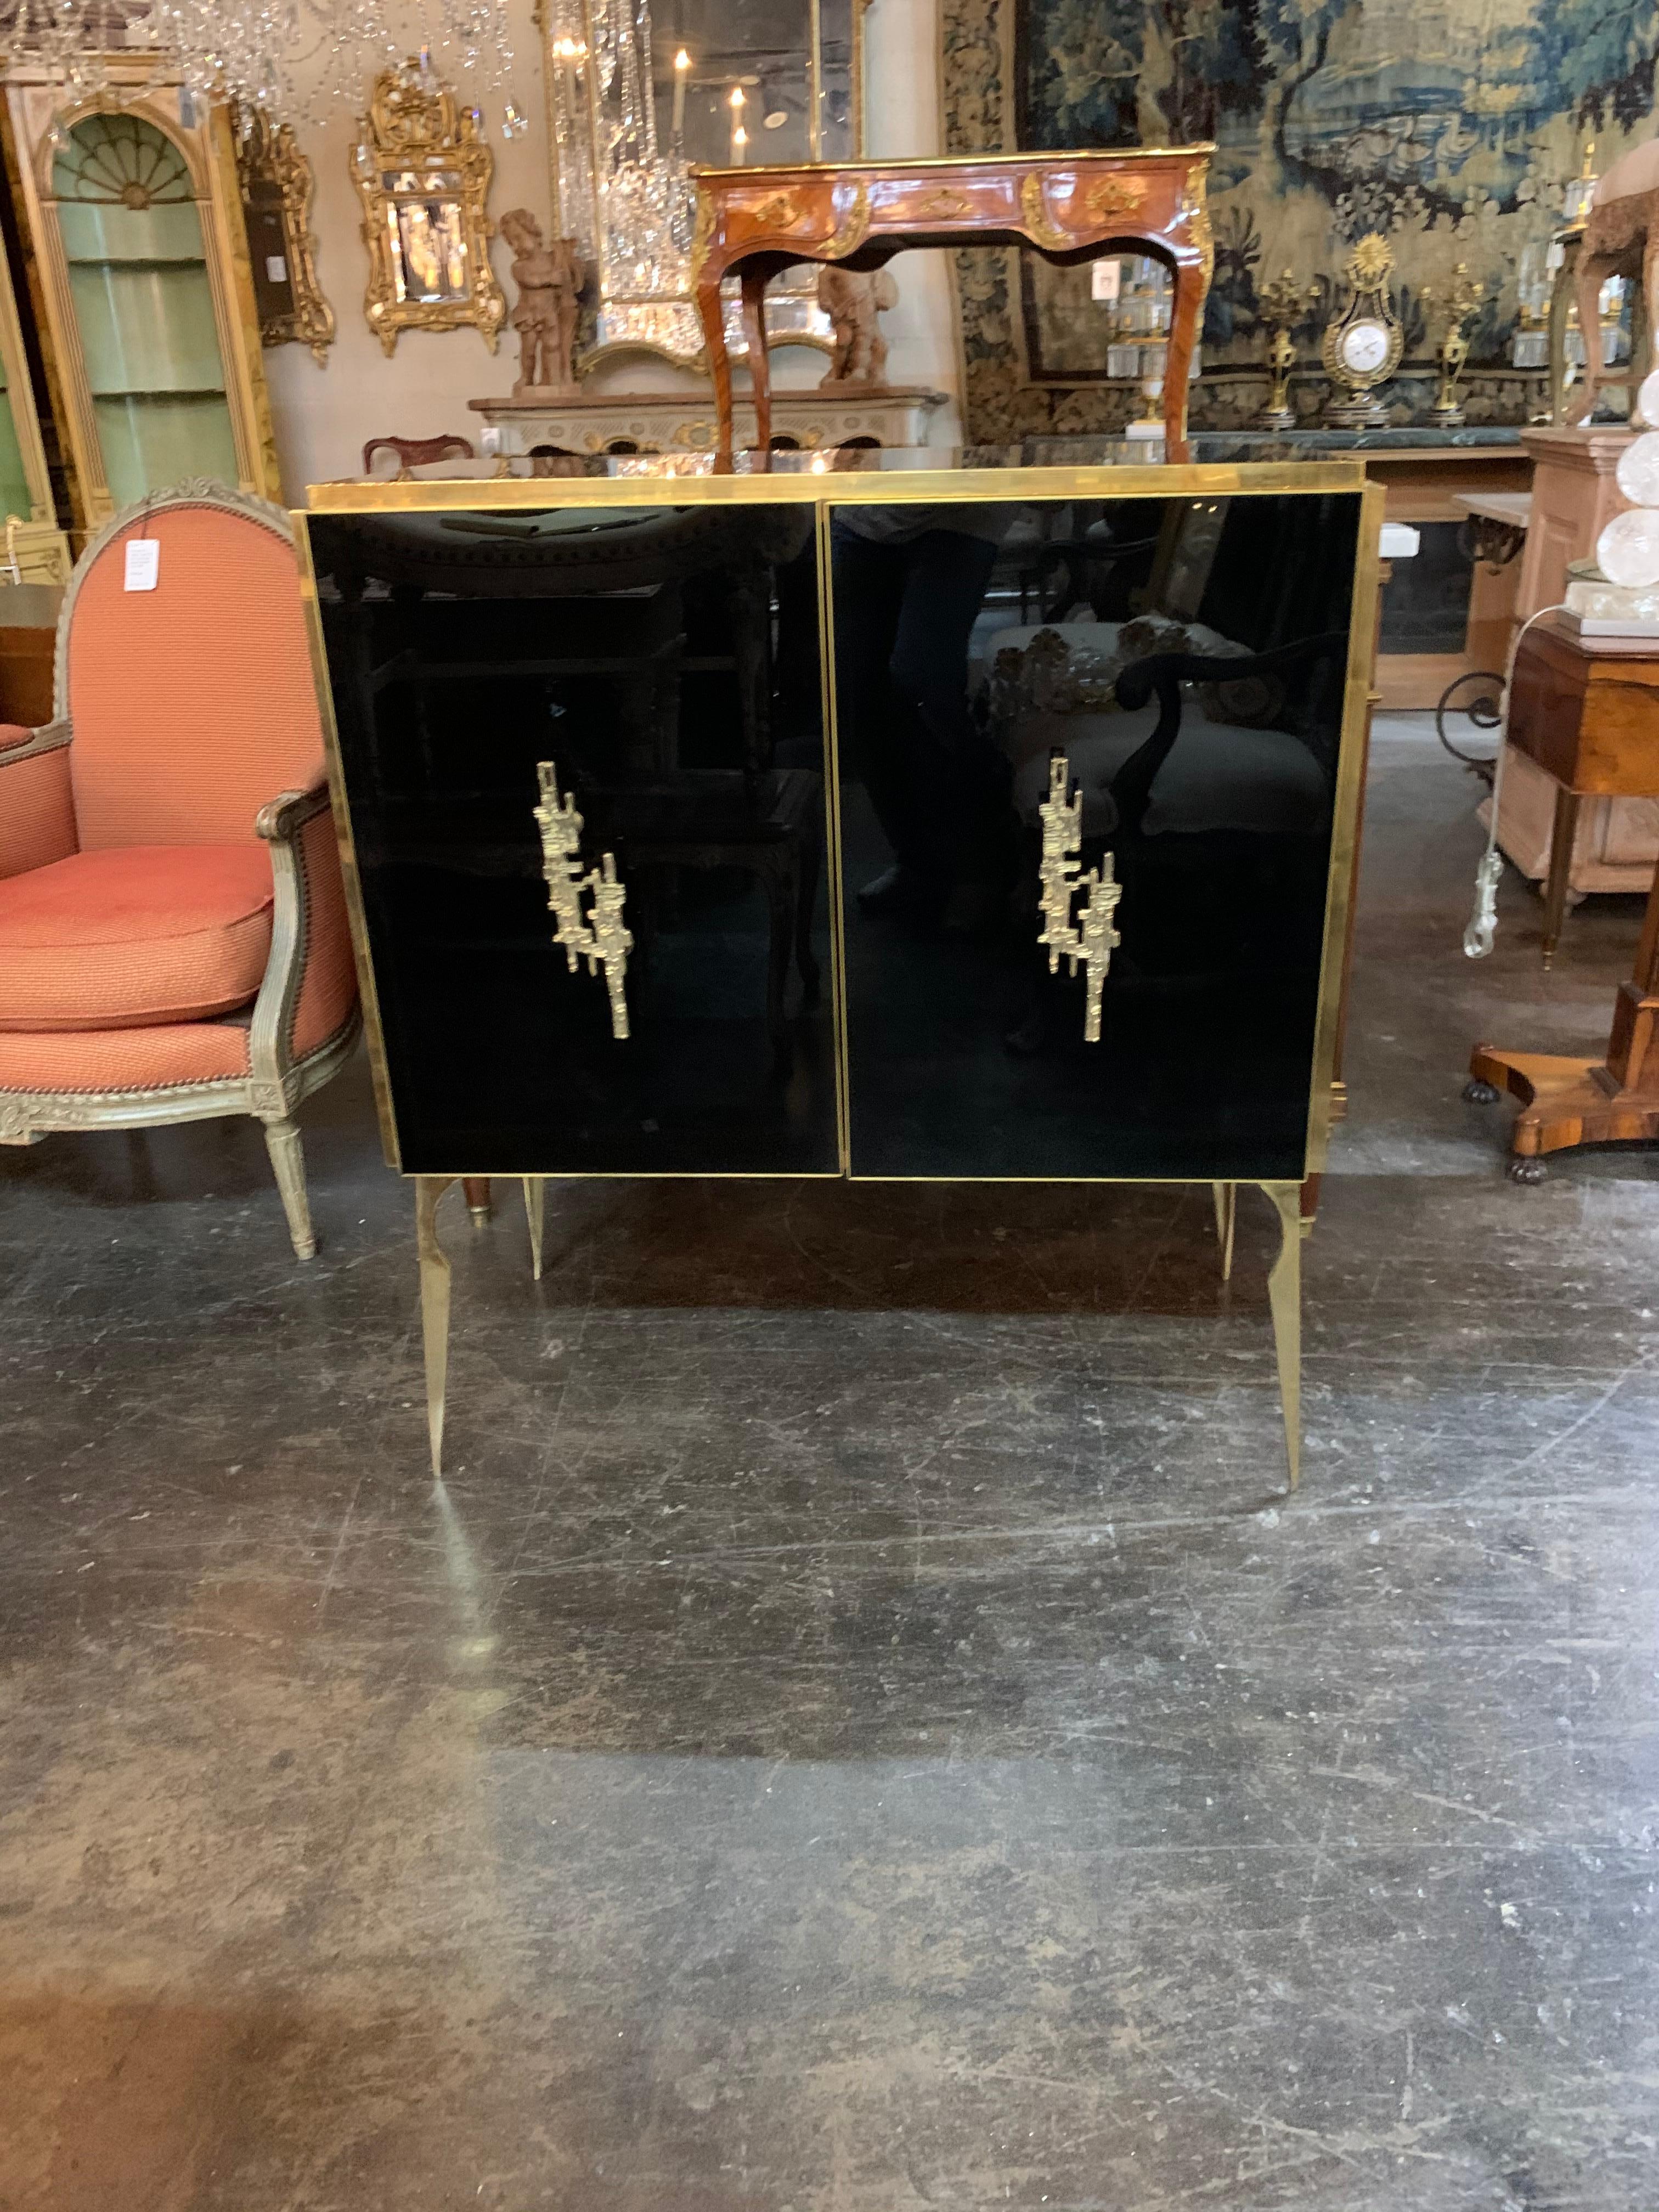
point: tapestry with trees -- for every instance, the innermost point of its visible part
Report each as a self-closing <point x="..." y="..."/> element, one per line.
<point x="1453" y="128"/>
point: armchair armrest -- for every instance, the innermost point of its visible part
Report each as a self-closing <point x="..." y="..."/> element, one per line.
<point x="282" y="818"/>
<point x="37" y="805"/>
<point x="309" y="994"/>
<point x="1164" y="673"/>
<point x="17" y="744"/>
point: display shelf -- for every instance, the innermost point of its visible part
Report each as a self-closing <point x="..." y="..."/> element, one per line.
<point x="15" y="493"/>
<point x="154" y="439"/>
<point x="158" y="392"/>
<point x="142" y="333"/>
<point x="148" y="316"/>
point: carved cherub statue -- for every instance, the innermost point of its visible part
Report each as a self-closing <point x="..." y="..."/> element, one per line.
<point x="550" y="279"/>
<point x="852" y="303"/>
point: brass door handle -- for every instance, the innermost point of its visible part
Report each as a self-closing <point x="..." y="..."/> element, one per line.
<point x="595" y="933"/>
<point x="1093" y="936"/>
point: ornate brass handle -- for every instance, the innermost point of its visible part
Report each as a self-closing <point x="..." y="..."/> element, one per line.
<point x="1092" y="938"/>
<point x="595" y="933"/>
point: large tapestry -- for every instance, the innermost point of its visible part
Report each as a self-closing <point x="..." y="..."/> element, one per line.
<point x="1453" y="126"/>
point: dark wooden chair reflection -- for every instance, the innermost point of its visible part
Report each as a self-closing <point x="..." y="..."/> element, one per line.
<point x="1063" y="573"/>
<point x="1293" y="692"/>
<point x="1216" y="820"/>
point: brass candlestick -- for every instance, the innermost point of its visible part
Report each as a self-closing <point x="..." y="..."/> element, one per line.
<point x="1279" y="304"/>
<point x="1465" y="296"/>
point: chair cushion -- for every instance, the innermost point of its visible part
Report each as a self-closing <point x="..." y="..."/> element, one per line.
<point x="1219" y="776"/>
<point x="135" y="935"/>
<point x="101" y="1060"/>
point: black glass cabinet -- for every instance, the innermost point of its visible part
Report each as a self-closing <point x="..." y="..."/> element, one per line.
<point x="876" y="821"/>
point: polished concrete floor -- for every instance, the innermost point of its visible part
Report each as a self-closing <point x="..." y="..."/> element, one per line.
<point x="859" y="1727"/>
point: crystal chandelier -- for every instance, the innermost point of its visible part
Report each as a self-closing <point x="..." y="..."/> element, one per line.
<point x="69" y="38"/>
<point x="256" y="53"/>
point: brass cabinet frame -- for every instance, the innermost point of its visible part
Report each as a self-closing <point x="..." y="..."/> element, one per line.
<point x="893" y="488"/>
<point x="209" y="154"/>
<point x="1194" y="481"/>
<point x="409" y="125"/>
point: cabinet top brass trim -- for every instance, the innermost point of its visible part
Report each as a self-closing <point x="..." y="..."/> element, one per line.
<point x="833" y="487"/>
<point x="965" y="164"/>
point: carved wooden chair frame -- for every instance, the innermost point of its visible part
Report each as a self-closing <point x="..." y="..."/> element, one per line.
<point x="277" y="1079"/>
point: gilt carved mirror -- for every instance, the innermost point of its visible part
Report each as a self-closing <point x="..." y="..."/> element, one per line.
<point x="422" y="171"/>
<point x="276" y="186"/>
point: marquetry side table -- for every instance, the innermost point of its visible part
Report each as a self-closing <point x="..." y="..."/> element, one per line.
<point x="1070" y="207"/>
<point x="1587" y="712"/>
<point x="1568" y="1102"/>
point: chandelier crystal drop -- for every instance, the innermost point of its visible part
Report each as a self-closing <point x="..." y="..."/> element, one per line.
<point x="69" y="38"/>
<point x="291" y="58"/>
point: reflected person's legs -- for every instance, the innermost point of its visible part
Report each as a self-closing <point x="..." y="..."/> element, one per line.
<point x="797" y="724"/>
<point x="959" y="778"/>
<point x="872" y="729"/>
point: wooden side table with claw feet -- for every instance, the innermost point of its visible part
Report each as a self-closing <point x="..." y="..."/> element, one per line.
<point x="1566" y="1102"/>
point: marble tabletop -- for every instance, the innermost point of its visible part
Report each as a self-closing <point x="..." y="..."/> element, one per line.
<point x="1318" y="440"/>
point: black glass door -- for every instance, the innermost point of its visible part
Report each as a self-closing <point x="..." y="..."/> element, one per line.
<point x="1110" y="967"/>
<point x="581" y="755"/>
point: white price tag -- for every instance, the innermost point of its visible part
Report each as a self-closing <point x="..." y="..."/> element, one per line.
<point x="276" y="268"/>
<point x="143" y="563"/>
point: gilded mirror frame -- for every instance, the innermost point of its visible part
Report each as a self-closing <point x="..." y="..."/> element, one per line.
<point x="274" y="175"/>
<point x="416" y="123"/>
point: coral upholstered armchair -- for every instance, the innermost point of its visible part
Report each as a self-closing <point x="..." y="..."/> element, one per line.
<point x="173" y="942"/>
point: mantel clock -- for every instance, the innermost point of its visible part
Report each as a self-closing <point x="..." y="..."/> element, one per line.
<point x="1361" y="348"/>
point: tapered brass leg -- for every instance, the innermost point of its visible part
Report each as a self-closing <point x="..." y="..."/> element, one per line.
<point x="1226" y="1212"/>
<point x="435" y="1306"/>
<point x="1284" y="1296"/>
<point x="535" y="1213"/>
